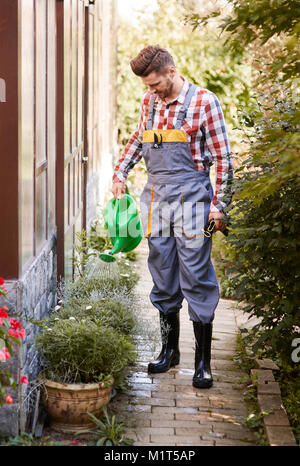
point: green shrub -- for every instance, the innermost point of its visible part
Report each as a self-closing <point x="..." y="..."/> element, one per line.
<point x="265" y="216"/>
<point x="83" y="351"/>
<point x="111" y="313"/>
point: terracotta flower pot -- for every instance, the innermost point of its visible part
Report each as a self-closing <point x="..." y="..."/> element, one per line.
<point x="67" y="404"/>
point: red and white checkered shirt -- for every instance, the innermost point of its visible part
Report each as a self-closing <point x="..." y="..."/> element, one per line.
<point x="206" y="133"/>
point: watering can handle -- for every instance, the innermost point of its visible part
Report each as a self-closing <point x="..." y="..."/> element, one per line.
<point x="117" y="211"/>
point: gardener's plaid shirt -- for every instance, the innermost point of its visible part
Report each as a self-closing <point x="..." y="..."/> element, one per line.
<point x="206" y="132"/>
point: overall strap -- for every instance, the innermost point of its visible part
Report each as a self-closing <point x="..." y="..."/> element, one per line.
<point x="150" y="112"/>
<point x="182" y="112"/>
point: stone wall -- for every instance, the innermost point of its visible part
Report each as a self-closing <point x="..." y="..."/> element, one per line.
<point x="30" y="297"/>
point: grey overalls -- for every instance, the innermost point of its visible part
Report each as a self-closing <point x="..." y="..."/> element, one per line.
<point x="175" y="205"/>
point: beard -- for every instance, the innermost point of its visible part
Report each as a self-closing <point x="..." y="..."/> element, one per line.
<point x="168" y="89"/>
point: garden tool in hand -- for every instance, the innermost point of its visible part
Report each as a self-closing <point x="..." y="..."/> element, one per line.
<point x="124" y="227"/>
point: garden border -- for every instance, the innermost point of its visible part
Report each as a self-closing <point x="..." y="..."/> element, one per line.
<point x="276" y="424"/>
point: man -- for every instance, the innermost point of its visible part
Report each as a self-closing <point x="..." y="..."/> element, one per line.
<point x="181" y="132"/>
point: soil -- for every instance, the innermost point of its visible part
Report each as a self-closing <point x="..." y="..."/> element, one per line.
<point x="70" y="440"/>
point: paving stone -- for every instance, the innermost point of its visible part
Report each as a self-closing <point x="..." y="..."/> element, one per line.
<point x="277" y="418"/>
<point x="186" y="389"/>
<point x="166" y="409"/>
<point x="139" y="422"/>
<point x="152" y="387"/>
<point x="173" y="440"/>
<point x="262" y="375"/>
<point x="153" y="401"/>
<point x="229" y="415"/>
<point x="204" y="443"/>
<point x="194" y="403"/>
<point x="156" y="431"/>
<point x="203" y="417"/>
<point x="137" y="408"/>
<point x="243" y="435"/>
<point x="174" y="423"/>
<point x="265" y="364"/>
<point x="271" y="388"/>
<point x="279" y="435"/>
<point x="174" y="395"/>
<point x="223" y="364"/>
<point x="269" y="402"/>
<point x="231" y="442"/>
<point x="229" y="426"/>
<point x="138" y="393"/>
<point x="154" y="416"/>
<point x="190" y="431"/>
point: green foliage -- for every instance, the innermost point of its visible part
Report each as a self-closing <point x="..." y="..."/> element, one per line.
<point x="89" y="336"/>
<point x="110" y="432"/>
<point x="262" y="251"/>
<point x="110" y="312"/>
<point x="28" y="440"/>
<point x="289" y="380"/>
<point x="258" y="22"/>
<point x="256" y="424"/>
<point x="82" y="252"/>
<point x="221" y="256"/>
<point x="200" y="56"/>
<point x="265" y="216"/>
<point x="244" y="357"/>
<point x="99" y="237"/>
<point x="83" y="350"/>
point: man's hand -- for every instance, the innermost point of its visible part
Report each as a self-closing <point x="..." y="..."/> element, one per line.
<point x="118" y="189"/>
<point x="218" y="218"/>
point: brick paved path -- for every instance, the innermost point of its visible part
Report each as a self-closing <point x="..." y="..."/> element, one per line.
<point x="165" y="409"/>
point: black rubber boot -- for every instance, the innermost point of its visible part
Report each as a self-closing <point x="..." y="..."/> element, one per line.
<point x="203" y="335"/>
<point x="169" y="355"/>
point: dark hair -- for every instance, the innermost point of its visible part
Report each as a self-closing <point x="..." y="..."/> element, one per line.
<point x="151" y="58"/>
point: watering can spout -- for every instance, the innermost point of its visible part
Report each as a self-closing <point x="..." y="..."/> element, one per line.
<point x="117" y="247"/>
<point x="123" y="224"/>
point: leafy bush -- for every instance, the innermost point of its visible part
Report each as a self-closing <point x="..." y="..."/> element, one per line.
<point x="83" y="351"/>
<point x="108" y="311"/>
<point x="265" y="218"/>
<point x="199" y="55"/>
<point x="265" y="214"/>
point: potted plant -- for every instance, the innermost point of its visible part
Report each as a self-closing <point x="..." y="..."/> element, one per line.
<point x="85" y="346"/>
<point x="87" y="342"/>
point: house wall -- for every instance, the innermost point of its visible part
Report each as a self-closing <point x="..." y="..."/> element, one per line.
<point x="55" y="113"/>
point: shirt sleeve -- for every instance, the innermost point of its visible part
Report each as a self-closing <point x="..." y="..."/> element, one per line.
<point x="132" y="153"/>
<point x="217" y="141"/>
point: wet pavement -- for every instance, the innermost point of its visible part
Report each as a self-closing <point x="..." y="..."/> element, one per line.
<point x="165" y="409"/>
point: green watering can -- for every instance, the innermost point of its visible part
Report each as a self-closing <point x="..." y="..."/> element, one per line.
<point x="124" y="227"/>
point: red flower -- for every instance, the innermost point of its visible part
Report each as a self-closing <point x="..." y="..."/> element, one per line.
<point x="74" y="442"/>
<point x="3" y="313"/>
<point x="4" y="354"/>
<point x="14" y="324"/>
<point x="17" y="333"/>
<point x="24" y="380"/>
<point x="22" y="333"/>
<point x="1" y="281"/>
<point x="9" y="399"/>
